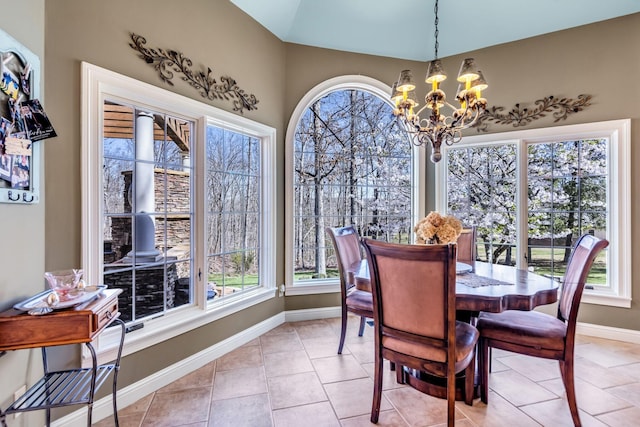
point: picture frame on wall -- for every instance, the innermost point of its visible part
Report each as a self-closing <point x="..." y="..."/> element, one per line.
<point x="20" y="157"/>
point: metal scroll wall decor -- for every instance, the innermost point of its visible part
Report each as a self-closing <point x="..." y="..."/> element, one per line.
<point x="520" y="116"/>
<point x="166" y="62"/>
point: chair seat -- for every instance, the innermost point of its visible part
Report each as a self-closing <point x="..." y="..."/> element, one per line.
<point x="466" y="338"/>
<point x="360" y="300"/>
<point x="529" y="328"/>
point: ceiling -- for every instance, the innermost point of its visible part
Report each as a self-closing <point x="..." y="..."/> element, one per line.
<point x="404" y="28"/>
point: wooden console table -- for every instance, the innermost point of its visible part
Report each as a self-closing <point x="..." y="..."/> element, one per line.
<point x="79" y="324"/>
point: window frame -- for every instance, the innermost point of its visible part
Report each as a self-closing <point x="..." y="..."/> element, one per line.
<point x="347" y="82"/>
<point x="618" y="293"/>
<point x="98" y="85"/>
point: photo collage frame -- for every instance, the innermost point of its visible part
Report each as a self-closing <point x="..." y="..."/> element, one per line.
<point x="23" y="122"/>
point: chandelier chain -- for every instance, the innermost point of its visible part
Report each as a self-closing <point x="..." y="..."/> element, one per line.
<point x="435" y="33"/>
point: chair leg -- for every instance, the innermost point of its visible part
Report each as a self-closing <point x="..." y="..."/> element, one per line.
<point x="469" y="376"/>
<point x="566" y="371"/>
<point x="451" y="400"/>
<point x="483" y="367"/>
<point x="377" y="389"/>
<point x="362" y="323"/>
<point x="343" y="330"/>
<point x="400" y="374"/>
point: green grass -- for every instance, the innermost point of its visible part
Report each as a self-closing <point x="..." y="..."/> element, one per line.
<point x="308" y="275"/>
<point x="234" y="281"/>
<point x="252" y="279"/>
<point x="597" y="275"/>
<point x="542" y="266"/>
<point x="541" y="259"/>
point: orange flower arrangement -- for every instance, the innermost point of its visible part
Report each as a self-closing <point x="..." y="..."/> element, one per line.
<point x="438" y="229"/>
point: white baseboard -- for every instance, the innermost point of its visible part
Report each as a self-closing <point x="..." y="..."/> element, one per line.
<point x="312" y="314"/>
<point x="134" y="392"/>
<point x="626" y="335"/>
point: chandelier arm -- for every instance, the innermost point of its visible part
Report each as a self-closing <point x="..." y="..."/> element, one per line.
<point x="452" y="107"/>
<point x="421" y="110"/>
<point x="477" y="114"/>
<point x="415" y="131"/>
<point x="454" y="137"/>
<point x="454" y="110"/>
<point x="457" y="120"/>
<point x="417" y="138"/>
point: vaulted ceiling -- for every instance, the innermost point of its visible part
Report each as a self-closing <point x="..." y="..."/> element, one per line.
<point x="405" y="28"/>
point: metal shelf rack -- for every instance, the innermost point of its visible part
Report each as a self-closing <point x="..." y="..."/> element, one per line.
<point x="68" y="387"/>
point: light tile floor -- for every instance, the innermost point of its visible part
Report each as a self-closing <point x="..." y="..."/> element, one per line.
<point x="292" y="376"/>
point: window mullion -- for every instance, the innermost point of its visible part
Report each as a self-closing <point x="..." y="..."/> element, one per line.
<point x="522" y="210"/>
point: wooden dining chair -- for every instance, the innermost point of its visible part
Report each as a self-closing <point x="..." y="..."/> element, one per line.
<point x="541" y="335"/>
<point x="467" y="246"/>
<point x="346" y="243"/>
<point x="414" y="311"/>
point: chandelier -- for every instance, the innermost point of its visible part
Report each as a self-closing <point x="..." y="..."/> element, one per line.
<point x="438" y="127"/>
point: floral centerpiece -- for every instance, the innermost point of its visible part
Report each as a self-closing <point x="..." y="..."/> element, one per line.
<point x="437" y="229"/>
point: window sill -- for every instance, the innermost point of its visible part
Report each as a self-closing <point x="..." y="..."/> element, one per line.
<point x="611" y="300"/>
<point x="313" y="287"/>
<point x="173" y="324"/>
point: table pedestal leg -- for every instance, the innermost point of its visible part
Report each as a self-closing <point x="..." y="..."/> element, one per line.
<point x="437" y="386"/>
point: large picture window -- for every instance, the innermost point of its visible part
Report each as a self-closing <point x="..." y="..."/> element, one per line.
<point x="178" y="207"/>
<point x="532" y="194"/>
<point x="350" y="163"/>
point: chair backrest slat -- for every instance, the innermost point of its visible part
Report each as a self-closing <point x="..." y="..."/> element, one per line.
<point x="467" y="246"/>
<point x="346" y="243"/>
<point x="582" y="257"/>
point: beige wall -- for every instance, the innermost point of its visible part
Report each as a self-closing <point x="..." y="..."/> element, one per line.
<point x="600" y="59"/>
<point x="22" y="260"/>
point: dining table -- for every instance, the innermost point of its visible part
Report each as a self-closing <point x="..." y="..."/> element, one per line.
<point x="479" y="287"/>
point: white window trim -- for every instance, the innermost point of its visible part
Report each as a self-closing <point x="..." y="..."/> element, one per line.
<point x="356" y="82"/>
<point x="99" y="84"/>
<point x="618" y="198"/>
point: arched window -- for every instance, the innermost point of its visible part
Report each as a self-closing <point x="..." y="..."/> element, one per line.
<point x="349" y="162"/>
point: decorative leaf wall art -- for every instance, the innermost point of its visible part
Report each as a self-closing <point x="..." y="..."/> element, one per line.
<point x="168" y="61"/>
<point x="520" y="116"/>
